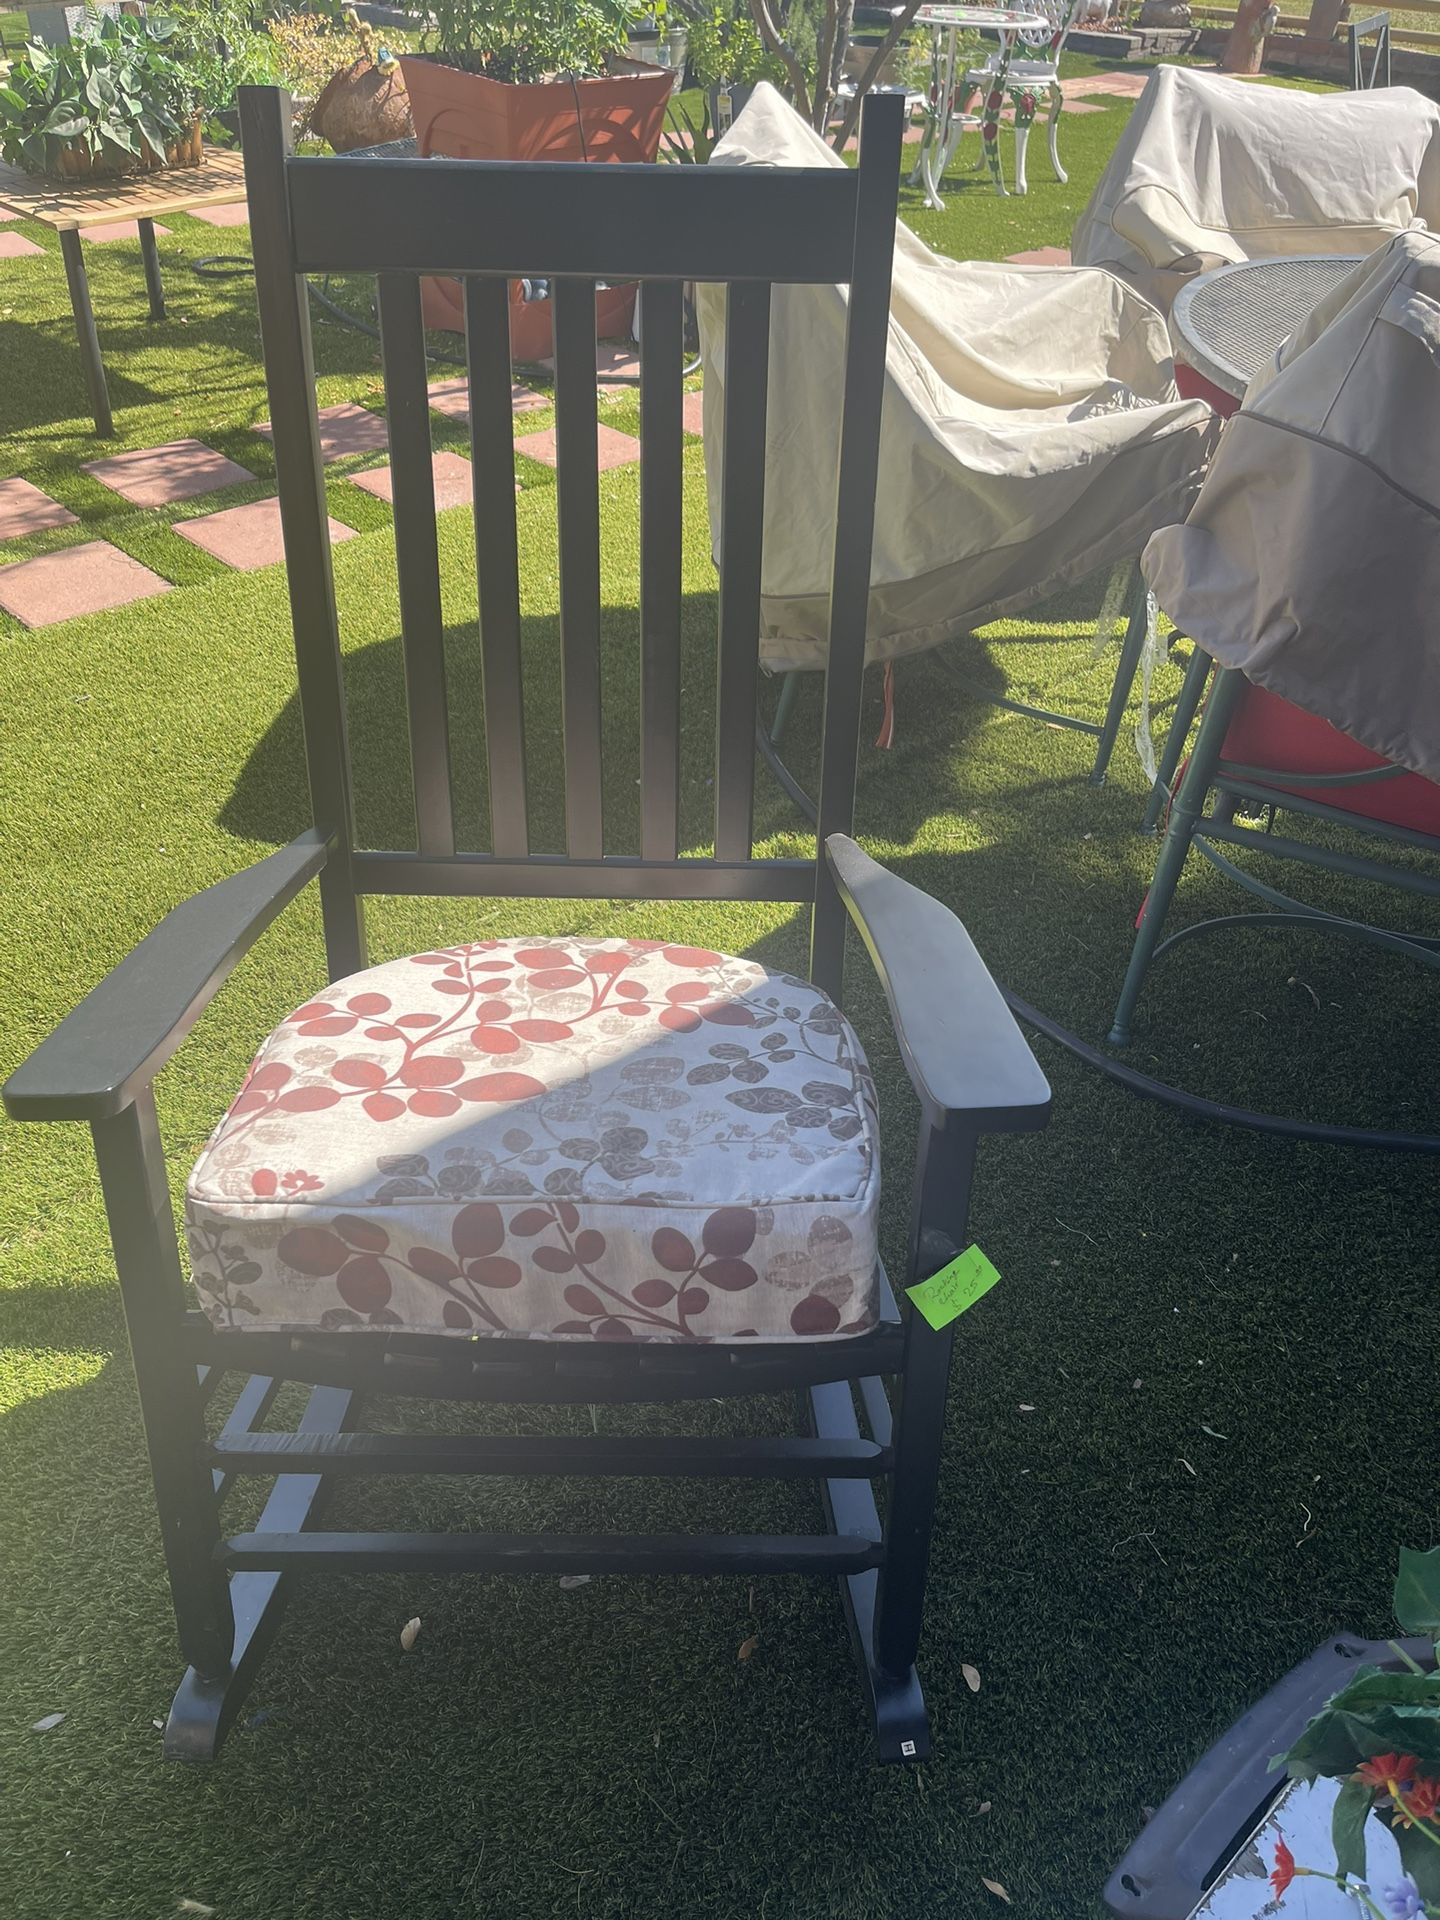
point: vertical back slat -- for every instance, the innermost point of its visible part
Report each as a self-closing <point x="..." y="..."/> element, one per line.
<point x="662" y="322"/>
<point x="867" y="330"/>
<point x="290" y="380"/>
<point x="492" y="455"/>
<point x="742" y="522"/>
<point x="417" y="559"/>
<point x="577" y="480"/>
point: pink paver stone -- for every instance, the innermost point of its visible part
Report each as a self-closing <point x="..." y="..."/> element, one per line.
<point x="116" y="230"/>
<point x="12" y="245"/>
<point x="692" y="413"/>
<point x="617" y="368"/>
<point x="92" y="578"/>
<point x="25" y="509"/>
<point x="615" y="449"/>
<point x="248" y="537"/>
<point x="346" y="429"/>
<point x="159" y="476"/>
<point x="235" y="215"/>
<point x="1041" y="257"/>
<point x="1082" y="106"/>
<point x="452" y="481"/>
<point x="452" y="398"/>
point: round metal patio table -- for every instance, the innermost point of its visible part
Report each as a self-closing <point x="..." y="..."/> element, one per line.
<point x="945" y="119"/>
<point x="1230" y="323"/>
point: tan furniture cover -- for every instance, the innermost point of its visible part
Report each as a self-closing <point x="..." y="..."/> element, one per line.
<point x="1212" y="169"/>
<point x="1311" y="559"/>
<point x="1031" y="431"/>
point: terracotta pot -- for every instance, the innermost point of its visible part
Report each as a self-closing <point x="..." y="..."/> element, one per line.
<point x="362" y="107"/>
<point x="466" y="116"/>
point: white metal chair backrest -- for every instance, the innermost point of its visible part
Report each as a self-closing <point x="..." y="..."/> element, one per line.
<point x="1060" y="15"/>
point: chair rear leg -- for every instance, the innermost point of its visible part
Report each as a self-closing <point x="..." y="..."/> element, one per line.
<point x="1184" y="818"/>
<point x="142" y="1231"/>
<point x="1186" y="707"/>
<point x="1057" y="101"/>
<point x="1131" y="649"/>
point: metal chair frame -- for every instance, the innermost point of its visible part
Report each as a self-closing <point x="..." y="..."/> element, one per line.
<point x="489" y="223"/>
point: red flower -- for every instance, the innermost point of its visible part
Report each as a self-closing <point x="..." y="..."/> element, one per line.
<point x="1422" y="1801"/>
<point x="298" y="1182"/>
<point x="1388" y="1771"/>
<point x="1284" y="1871"/>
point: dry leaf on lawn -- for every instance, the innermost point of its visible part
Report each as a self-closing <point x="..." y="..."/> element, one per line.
<point x="984" y="1807"/>
<point x="996" y="1888"/>
<point x="45" y="1725"/>
<point x="569" y="1581"/>
<point x="1025" y="1407"/>
<point x="410" y="1633"/>
<point x="971" y="1676"/>
<point x="193" y="1906"/>
<point x="747" y="1647"/>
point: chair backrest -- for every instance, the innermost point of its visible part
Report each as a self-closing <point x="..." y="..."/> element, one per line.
<point x="489" y="223"/>
<point x="1061" y="16"/>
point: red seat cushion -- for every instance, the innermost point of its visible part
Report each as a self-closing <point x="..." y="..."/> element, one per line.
<point x="1269" y="732"/>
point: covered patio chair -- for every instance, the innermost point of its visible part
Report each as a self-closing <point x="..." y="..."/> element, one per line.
<point x="546" y="1171"/>
<point x="1309" y="570"/>
<point x="1211" y="169"/>
<point x="1031" y="435"/>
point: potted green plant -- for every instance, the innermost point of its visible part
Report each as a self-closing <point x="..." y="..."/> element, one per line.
<point x="114" y="99"/>
<point x="726" y="58"/>
<point x="532" y="80"/>
<point x="655" y="40"/>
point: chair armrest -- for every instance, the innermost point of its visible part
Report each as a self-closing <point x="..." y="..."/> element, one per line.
<point x="126" y="1028"/>
<point x="961" y="1046"/>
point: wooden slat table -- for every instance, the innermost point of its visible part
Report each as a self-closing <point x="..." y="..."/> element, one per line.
<point x="67" y="209"/>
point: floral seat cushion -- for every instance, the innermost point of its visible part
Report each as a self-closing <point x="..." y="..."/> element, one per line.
<point x="562" y="1139"/>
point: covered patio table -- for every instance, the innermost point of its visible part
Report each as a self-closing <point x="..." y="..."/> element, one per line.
<point x="1231" y="322"/>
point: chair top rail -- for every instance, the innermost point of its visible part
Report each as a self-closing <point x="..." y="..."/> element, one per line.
<point x="793" y="225"/>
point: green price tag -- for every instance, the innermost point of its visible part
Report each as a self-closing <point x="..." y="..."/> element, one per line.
<point x="946" y="1295"/>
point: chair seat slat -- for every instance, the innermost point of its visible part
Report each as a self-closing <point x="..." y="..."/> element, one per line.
<point x="492" y="454"/>
<point x="577" y="485"/>
<point x="417" y="559"/>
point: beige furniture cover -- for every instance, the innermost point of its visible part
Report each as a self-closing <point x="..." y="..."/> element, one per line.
<point x="1030" y="434"/>
<point x="1212" y="169"/>
<point x="1311" y="559"/>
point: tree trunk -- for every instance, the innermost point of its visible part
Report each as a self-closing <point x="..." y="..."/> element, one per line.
<point x="1245" y="48"/>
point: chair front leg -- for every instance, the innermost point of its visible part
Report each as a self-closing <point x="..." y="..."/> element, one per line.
<point x="1057" y="101"/>
<point x="1184" y="819"/>
<point x="1023" y="103"/>
<point x="152" y="1288"/>
<point x="945" y="1166"/>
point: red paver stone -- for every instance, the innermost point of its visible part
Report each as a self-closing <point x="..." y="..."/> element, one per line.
<point x="92" y="578"/>
<point x="615" y="449"/>
<point x="1041" y="257"/>
<point x="617" y="368"/>
<point x="452" y="480"/>
<point x="247" y="537"/>
<point x="452" y="398"/>
<point x="159" y="476"/>
<point x="12" y="245"/>
<point x="1081" y="106"/>
<point x="235" y="215"/>
<point x="346" y="429"/>
<point x="116" y="230"/>
<point x="25" y="509"/>
<point x="692" y="413"/>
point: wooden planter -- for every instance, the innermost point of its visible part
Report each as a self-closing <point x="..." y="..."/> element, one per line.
<point x="466" y="116"/>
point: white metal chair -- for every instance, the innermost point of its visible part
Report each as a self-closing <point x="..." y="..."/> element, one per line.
<point x="1026" y="79"/>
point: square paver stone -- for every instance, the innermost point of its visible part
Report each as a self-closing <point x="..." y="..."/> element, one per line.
<point x="116" y="230"/>
<point x="617" y="368"/>
<point x="692" y="413"/>
<point x="1082" y="106"/>
<point x="235" y="215"/>
<point x="1041" y="257"/>
<point x="159" y="476"/>
<point x="13" y="245"/>
<point x="92" y="578"/>
<point x="248" y="537"/>
<point x="615" y="449"/>
<point x="452" y="398"/>
<point x="25" y="509"/>
<point x="346" y="429"/>
<point x="452" y="481"/>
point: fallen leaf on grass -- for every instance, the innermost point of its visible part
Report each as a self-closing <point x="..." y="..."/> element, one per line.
<point x="45" y="1725"/>
<point x="1186" y="1464"/>
<point x="569" y="1581"/>
<point x="984" y="1807"/>
<point x="193" y="1906"/>
<point x="410" y="1633"/>
<point x="1213" y="1434"/>
<point x="1025" y="1407"/>
<point x="747" y="1647"/>
<point x="995" y="1887"/>
<point x="158" y="1725"/>
<point x="971" y="1676"/>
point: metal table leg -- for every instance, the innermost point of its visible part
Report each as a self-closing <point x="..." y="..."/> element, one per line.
<point x="84" y="313"/>
<point x="151" y="258"/>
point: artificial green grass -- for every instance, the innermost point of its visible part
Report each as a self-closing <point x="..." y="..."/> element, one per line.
<point x="1186" y="1431"/>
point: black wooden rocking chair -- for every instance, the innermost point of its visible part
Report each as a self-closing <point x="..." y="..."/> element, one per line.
<point x="528" y="1299"/>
